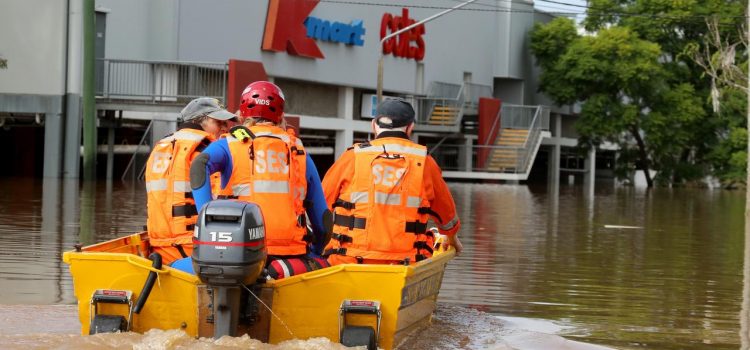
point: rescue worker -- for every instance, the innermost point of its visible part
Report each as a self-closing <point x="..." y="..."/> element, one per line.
<point x="261" y="162"/>
<point x="171" y="209"/>
<point x="382" y="193"/>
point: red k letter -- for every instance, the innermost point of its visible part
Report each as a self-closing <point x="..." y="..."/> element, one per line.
<point x="285" y="28"/>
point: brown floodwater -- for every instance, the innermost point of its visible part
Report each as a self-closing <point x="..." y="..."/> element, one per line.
<point x="621" y="267"/>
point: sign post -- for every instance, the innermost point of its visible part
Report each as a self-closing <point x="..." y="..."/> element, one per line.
<point x="407" y="28"/>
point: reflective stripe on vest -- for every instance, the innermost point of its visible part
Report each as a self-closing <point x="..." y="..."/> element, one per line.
<point x="284" y="137"/>
<point x="266" y="186"/>
<point x="385" y="198"/>
<point x="186" y="135"/>
<point x="449" y="225"/>
<point x="413" y="202"/>
<point x="181" y="186"/>
<point x="360" y="197"/>
<point x="392" y="148"/>
<point x="156" y="185"/>
<point x="241" y="190"/>
<point x="261" y="186"/>
<point x="364" y="197"/>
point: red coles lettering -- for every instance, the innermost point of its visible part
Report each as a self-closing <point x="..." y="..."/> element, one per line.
<point x="409" y="44"/>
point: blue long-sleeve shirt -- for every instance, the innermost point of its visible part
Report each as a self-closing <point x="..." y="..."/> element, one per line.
<point x="220" y="159"/>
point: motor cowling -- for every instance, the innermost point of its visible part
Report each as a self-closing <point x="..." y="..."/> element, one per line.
<point x="229" y="244"/>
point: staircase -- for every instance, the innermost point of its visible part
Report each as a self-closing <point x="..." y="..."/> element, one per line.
<point x="507" y="157"/>
<point x="443" y="115"/>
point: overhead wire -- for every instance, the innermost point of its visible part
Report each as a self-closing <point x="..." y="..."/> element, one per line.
<point x="510" y="10"/>
<point x="546" y="9"/>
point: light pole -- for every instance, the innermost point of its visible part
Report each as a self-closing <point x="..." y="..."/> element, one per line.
<point x="382" y="41"/>
<point x="745" y="310"/>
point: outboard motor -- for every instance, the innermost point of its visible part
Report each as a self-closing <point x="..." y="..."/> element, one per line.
<point x="229" y="249"/>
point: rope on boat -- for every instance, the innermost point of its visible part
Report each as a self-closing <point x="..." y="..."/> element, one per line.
<point x="269" y="309"/>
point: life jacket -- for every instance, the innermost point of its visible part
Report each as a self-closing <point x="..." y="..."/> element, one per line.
<point x="171" y="208"/>
<point x="268" y="168"/>
<point x="383" y="213"/>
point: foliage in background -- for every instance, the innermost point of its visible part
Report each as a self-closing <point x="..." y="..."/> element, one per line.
<point x="3" y="63"/>
<point x="639" y="89"/>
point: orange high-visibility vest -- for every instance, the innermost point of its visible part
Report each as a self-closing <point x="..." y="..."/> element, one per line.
<point x="171" y="208"/>
<point x="269" y="170"/>
<point x="383" y="214"/>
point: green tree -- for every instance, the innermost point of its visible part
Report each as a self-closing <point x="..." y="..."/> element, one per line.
<point x="636" y="86"/>
<point x="723" y="57"/>
<point x="612" y="73"/>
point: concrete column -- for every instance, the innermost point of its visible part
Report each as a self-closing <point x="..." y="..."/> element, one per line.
<point x="69" y="224"/>
<point x="72" y="150"/>
<point x="110" y="151"/>
<point x="590" y="176"/>
<point x="50" y="207"/>
<point x="345" y="137"/>
<point x="553" y="166"/>
<point x="466" y="157"/>
<point x="553" y="162"/>
<point x="52" y="145"/>
<point x="73" y="76"/>
<point x="51" y="229"/>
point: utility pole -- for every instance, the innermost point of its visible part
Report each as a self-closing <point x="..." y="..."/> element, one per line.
<point x="89" y="106"/>
<point x="745" y="310"/>
<point x="382" y="41"/>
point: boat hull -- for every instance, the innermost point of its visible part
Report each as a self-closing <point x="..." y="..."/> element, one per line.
<point x="301" y="307"/>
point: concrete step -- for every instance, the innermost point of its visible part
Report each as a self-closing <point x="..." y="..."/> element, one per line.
<point x="441" y="122"/>
<point x="502" y="169"/>
<point x="435" y="116"/>
<point x="445" y="108"/>
<point x="504" y="156"/>
<point x="515" y="131"/>
<point x="509" y="143"/>
<point x="503" y="165"/>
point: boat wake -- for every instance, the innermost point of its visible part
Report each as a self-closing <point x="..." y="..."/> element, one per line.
<point x="31" y="327"/>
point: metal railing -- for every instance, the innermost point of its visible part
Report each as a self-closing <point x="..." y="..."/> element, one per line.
<point x="160" y="81"/>
<point x="454" y="157"/>
<point x="441" y="95"/>
<point x="440" y="89"/>
<point x="530" y="146"/>
<point x="136" y="168"/>
<point x="494" y="158"/>
<point x="472" y="93"/>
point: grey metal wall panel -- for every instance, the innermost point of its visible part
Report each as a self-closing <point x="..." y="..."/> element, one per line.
<point x="32" y="39"/>
<point x="458" y="42"/>
<point x="27" y="103"/>
<point x="141" y="29"/>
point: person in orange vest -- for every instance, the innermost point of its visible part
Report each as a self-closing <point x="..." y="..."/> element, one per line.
<point x="171" y="209"/>
<point x="264" y="163"/>
<point x="382" y="193"/>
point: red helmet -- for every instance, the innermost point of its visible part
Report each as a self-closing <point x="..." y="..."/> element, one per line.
<point x="262" y="99"/>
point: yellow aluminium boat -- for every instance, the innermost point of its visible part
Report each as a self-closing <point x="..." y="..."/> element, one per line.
<point x="392" y="300"/>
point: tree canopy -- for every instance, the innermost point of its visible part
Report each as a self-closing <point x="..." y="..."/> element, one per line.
<point x="640" y="90"/>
